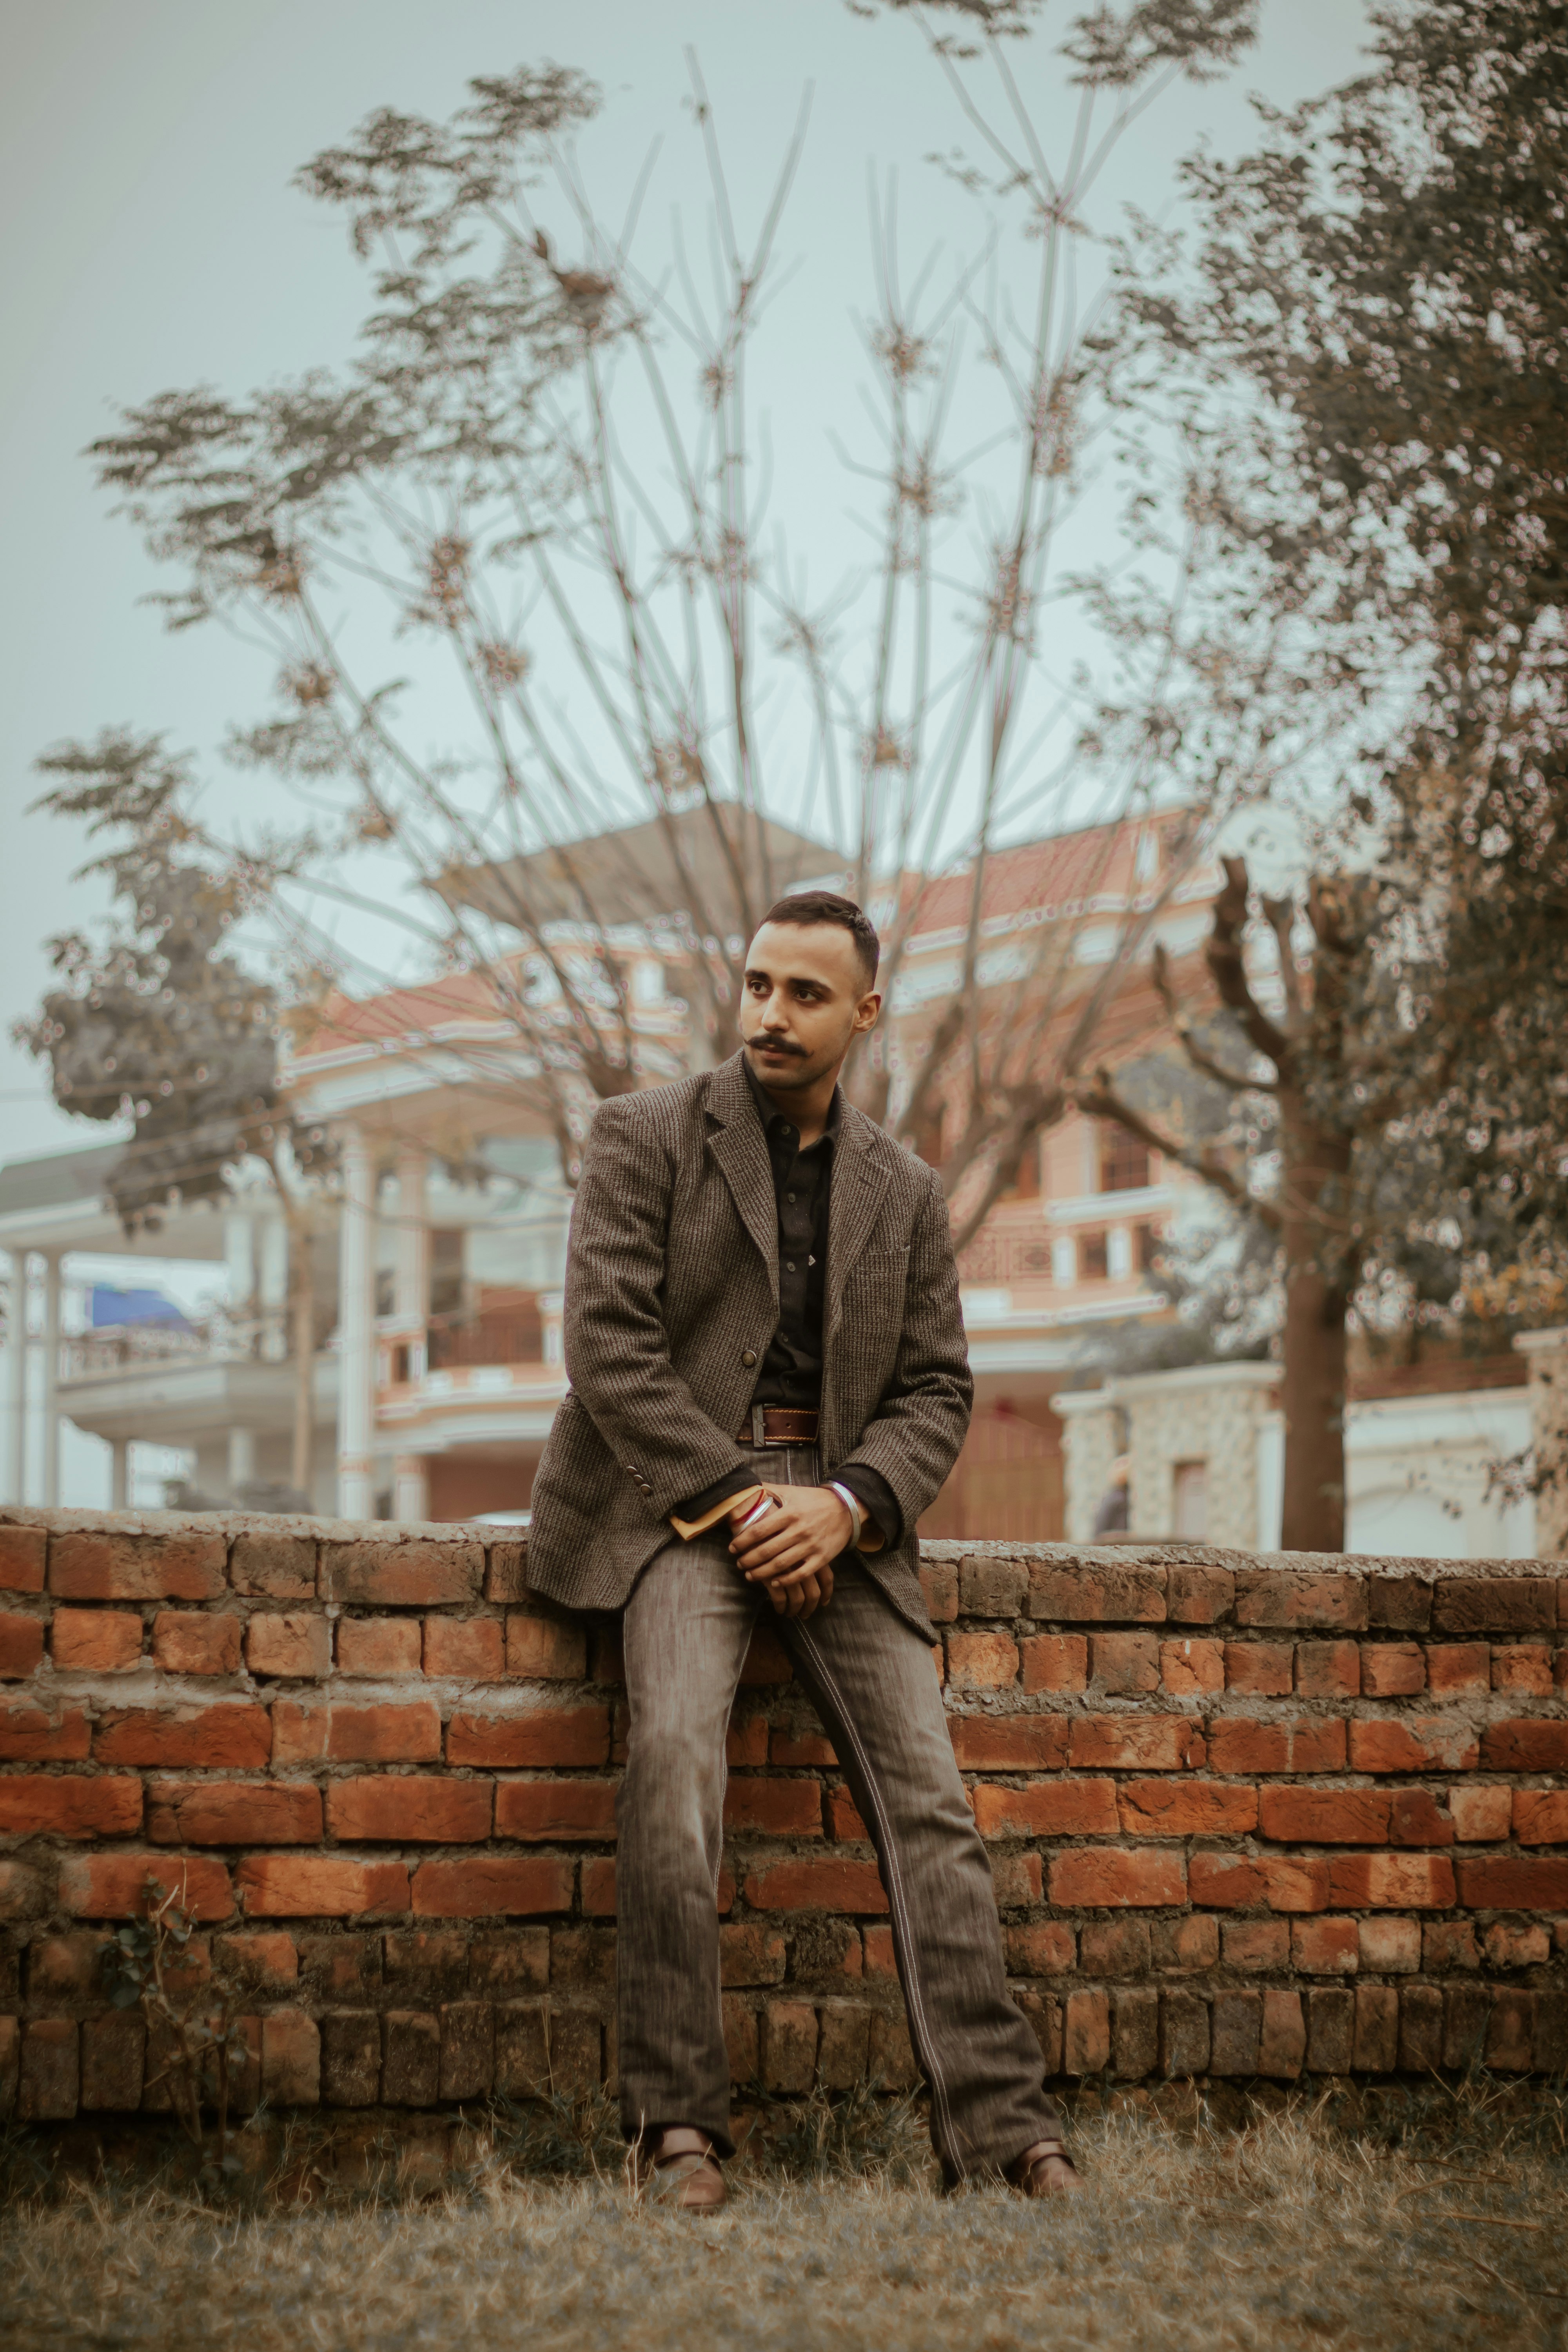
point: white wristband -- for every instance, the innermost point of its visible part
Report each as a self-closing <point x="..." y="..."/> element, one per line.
<point x="857" y="1516"/>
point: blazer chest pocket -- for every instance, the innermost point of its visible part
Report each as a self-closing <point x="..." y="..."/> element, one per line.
<point x="884" y="1265"/>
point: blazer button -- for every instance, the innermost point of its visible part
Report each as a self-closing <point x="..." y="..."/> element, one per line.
<point x="748" y="1357"/>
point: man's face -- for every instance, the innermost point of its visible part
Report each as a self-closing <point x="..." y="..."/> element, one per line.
<point x="803" y="1000"/>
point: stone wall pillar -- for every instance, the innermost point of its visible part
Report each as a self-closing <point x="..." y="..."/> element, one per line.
<point x="1091" y="1440"/>
<point x="356" y="1330"/>
<point x="1547" y="1353"/>
<point x="51" y="1399"/>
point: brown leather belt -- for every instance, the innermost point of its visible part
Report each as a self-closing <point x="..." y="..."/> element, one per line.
<point x="778" y="1425"/>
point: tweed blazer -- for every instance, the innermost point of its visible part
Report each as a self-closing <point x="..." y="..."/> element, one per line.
<point x="672" y="1296"/>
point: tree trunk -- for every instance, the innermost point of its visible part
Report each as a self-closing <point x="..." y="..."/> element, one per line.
<point x="1312" y="1388"/>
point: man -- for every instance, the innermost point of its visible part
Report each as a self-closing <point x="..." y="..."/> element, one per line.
<point x="768" y="1385"/>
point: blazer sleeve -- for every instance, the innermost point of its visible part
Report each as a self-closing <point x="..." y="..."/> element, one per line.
<point x="617" y="1353"/>
<point x="922" y="1419"/>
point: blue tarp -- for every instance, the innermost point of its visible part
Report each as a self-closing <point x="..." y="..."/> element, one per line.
<point x="110" y="1308"/>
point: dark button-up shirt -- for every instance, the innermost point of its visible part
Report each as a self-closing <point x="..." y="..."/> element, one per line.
<point x="791" y="1371"/>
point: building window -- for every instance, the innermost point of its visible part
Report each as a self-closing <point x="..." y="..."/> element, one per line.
<point x="1123" y="1161"/>
<point x="1095" y="1264"/>
<point x="1064" y="1263"/>
<point x="1150" y="1243"/>
<point x="1190" y="1499"/>
<point x="1119" y="1253"/>
<point x="1026" y="1184"/>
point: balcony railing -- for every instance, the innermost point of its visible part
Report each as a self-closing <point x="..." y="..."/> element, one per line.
<point x="513" y="1335"/>
<point x="90" y="1355"/>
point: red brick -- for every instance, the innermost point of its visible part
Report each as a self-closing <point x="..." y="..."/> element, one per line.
<point x="300" y="1731"/>
<point x="1539" y="1816"/>
<point x="319" y="1886"/>
<point x="1480" y="1813"/>
<point x="767" y="1660"/>
<point x="789" y="2045"/>
<point x="299" y="1644"/>
<point x="555" y="1808"/>
<point x="1190" y="1666"/>
<point x="31" y="1734"/>
<point x="1082" y="1594"/>
<point x="22" y="1556"/>
<point x="1392" y="1946"/>
<point x="1240" y="1743"/>
<point x="406" y="1731"/>
<point x="816" y="1882"/>
<point x="114" y="1886"/>
<point x="416" y="1575"/>
<point x="1043" y="1949"/>
<point x="1229" y="1881"/>
<point x="1186" y="1809"/>
<point x="1190" y="1946"/>
<point x="844" y="1821"/>
<point x="1047" y="1809"/>
<point x="938" y="1584"/>
<point x="1017" y="1880"/>
<point x="1126" y="1663"/>
<point x="1457" y="1669"/>
<point x="1447" y="1944"/>
<point x="1086" y="2041"/>
<point x="982" y="1660"/>
<point x="1114" y="1947"/>
<point x="1325" y="1946"/>
<point x="1328" y="1669"/>
<point x="775" y="1808"/>
<point x="103" y="1567"/>
<point x="1261" y="1667"/>
<point x="490" y="1886"/>
<point x="1503" y="1882"/>
<point x="1253" y="1944"/>
<point x="1509" y="1946"/>
<point x="751" y="1954"/>
<point x="1413" y="1743"/>
<point x="1375" y="2047"/>
<point x="471" y="1647"/>
<point x="1008" y="1743"/>
<point x="1326" y="1816"/>
<point x="1392" y="1669"/>
<point x="1235" y="2032"/>
<point x="542" y="1737"/>
<point x="991" y="1586"/>
<point x="49" y="2079"/>
<point x="1500" y="1604"/>
<point x="1419" y="1820"/>
<point x="274" y="1567"/>
<point x="1054" y="1662"/>
<point x="196" y="1642"/>
<point x="814" y="1747"/>
<point x="1096" y="1878"/>
<point x="1392" y="1882"/>
<point x="746" y="1742"/>
<point x="1537" y="1744"/>
<point x="95" y="1641"/>
<point x="234" y="1812"/>
<point x="268" y="1961"/>
<point x="1524" y="1666"/>
<point x="543" y="1650"/>
<point x="42" y="1805"/>
<point x="506" y="1572"/>
<point x="1509" y="2031"/>
<point x="1199" y="1596"/>
<point x="407" y="1809"/>
<point x="228" y="1732"/>
<point x="21" y="1645"/>
<point x="378" y="1645"/>
<point x="1147" y="1743"/>
<point x="599" y="1890"/>
<point x="290" y="2059"/>
<point x="21" y="1894"/>
<point x="1282" y="2048"/>
<point x="1282" y="1597"/>
<point x="1400" y="1605"/>
<point x="879" y="1948"/>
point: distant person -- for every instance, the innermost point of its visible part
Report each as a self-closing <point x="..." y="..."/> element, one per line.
<point x="1114" y="1516"/>
<point x="766" y="1357"/>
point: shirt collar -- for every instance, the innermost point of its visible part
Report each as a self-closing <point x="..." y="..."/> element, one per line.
<point x="768" y="1111"/>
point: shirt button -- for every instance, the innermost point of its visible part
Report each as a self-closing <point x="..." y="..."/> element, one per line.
<point x="748" y="1356"/>
<point x="789" y="1196"/>
<point x="789" y="1266"/>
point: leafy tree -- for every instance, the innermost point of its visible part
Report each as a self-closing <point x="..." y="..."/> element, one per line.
<point x="616" y="637"/>
<point x="156" y="1025"/>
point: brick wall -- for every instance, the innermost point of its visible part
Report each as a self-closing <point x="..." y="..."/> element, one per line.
<point x="1248" y="1817"/>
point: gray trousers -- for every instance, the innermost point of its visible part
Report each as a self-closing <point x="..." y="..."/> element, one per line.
<point x="870" y="1676"/>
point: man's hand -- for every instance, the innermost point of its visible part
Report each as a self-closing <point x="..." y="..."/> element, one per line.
<point x="789" y="1549"/>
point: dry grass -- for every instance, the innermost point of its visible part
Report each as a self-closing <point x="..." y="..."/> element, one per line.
<point x="1291" y="2232"/>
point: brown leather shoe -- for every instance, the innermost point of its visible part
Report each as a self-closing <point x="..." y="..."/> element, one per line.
<point x="1046" y="2170"/>
<point x="680" y="2169"/>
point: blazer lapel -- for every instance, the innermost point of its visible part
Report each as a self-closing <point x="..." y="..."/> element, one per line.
<point x="860" y="1179"/>
<point x="742" y="1156"/>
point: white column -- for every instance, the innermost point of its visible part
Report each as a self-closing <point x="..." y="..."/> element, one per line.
<point x="272" y="1287"/>
<point x="14" y="1399"/>
<point x="410" y="1262"/>
<point x="410" y="1488"/>
<point x="51" y="1346"/>
<point x="241" y="1458"/>
<point x="356" y="1330"/>
<point x="120" y="1473"/>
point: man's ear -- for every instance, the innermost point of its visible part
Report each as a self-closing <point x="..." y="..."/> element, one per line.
<point x="866" y="1011"/>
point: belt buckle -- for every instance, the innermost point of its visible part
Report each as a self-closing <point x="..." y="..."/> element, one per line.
<point x="759" y="1424"/>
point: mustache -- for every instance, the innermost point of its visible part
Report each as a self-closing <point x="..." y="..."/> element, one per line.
<point x="779" y="1045"/>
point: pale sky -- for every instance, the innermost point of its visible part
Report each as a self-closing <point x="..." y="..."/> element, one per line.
<point x="152" y="240"/>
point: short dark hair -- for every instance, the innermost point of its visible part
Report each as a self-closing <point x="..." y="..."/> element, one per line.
<point x="808" y="908"/>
